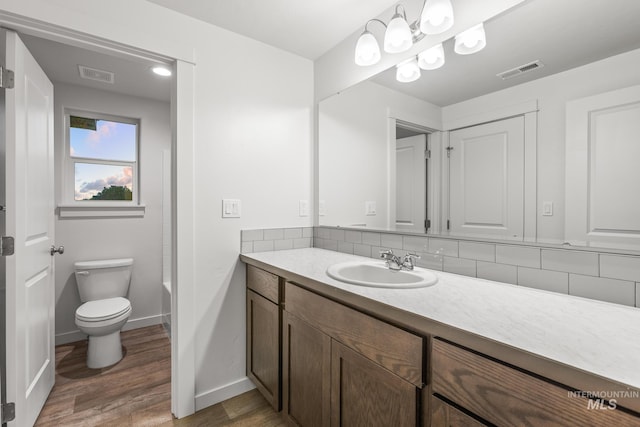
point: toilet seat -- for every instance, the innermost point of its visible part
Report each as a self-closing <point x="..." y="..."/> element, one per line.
<point x="103" y="309"/>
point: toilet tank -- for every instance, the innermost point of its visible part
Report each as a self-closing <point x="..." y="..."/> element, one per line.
<point x="103" y="279"/>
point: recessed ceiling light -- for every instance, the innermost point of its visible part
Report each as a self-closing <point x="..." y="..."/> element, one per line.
<point x="161" y="71"/>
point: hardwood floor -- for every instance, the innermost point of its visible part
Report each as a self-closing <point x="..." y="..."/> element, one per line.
<point x="136" y="391"/>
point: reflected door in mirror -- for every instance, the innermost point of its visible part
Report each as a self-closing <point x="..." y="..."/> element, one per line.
<point x="411" y="183"/>
<point x="486" y="178"/>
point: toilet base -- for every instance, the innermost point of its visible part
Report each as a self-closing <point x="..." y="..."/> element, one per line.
<point x="103" y="351"/>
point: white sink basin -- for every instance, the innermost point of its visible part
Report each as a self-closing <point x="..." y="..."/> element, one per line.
<point x="377" y="274"/>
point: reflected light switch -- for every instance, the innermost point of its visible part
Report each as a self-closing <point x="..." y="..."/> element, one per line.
<point x="304" y="208"/>
<point x="322" y="208"/>
<point x="370" y="208"/>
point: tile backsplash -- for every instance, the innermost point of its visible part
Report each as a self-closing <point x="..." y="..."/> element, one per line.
<point x="275" y="239"/>
<point x="600" y="275"/>
<point x="593" y="274"/>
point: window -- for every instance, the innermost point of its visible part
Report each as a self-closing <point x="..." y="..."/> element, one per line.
<point x="102" y="158"/>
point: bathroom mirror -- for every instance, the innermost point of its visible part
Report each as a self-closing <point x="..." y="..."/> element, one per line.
<point x="550" y="53"/>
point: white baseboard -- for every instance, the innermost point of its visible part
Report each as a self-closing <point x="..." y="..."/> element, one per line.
<point x="217" y="395"/>
<point x="67" y="337"/>
<point x="73" y="336"/>
<point x="143" y="322"/>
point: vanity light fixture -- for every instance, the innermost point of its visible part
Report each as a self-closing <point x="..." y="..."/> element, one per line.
<point x="431" y="58"/>
<point x="408" y="71"/>
<point x="436" y="17"/>
<point x="161" y="71"/>
<point x="470" y="41"/>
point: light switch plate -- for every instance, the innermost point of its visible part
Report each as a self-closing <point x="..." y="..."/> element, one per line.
<point x="370" y="208"/>
<point x="322" y="208"/>
<point x="547" y="208"/>
<point x="231" y="208"/>
<point x="304" y="208"/>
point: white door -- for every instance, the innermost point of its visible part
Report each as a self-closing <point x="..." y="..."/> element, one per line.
<point x="486" y="180"/>
<point x="602" y="174"/>
<point x="29" y="218"/>
<point x="411" y="183"/>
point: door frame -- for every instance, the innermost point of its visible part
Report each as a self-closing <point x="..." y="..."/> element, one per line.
<point x="183" y="326"/>
<point x="432" y="209"/>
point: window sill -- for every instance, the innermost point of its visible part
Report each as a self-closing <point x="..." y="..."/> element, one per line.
<point x="119" y="211"/>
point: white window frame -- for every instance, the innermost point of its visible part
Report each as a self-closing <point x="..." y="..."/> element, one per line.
<point x="101" y="208"/>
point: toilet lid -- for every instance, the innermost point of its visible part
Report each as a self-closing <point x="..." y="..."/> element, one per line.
<point x="103" y="309"/>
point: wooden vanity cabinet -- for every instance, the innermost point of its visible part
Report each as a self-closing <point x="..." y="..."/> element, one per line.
<point x="325" y="364"/>
<point x="264" y="333"/>
<point x="343" y="367"/>
<point x="506" y="396"/>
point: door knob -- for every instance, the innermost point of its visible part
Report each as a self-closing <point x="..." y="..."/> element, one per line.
<point x="59" y="250"/>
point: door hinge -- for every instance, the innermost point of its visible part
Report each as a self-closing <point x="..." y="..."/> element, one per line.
<point x="448" y="224"/>
<point x="6" y="245"/>
<point x="449" y="151"/>
<point x="7" y="79"/>
<point x="8" y="412"/>
<point x="427" y="154"/>
<point x="427" y="224"/>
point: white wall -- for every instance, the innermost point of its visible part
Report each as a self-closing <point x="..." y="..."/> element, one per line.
<point x="252" y="141"/>
<point x="553" y="93"/>
<point x="354" y="156"/>
<point x="103" y="238"/>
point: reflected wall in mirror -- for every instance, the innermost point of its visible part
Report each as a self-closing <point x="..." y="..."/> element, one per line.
<point x="586" y="49"/>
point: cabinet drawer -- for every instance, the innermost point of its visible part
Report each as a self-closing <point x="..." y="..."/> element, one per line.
<point x="505" y="396"/>
<point x="263" y="282"/>
<point x="445" y="415"/>
<point x="397" y="350"/>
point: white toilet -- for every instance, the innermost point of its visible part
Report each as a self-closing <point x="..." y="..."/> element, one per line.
<point x="103" y="287"/>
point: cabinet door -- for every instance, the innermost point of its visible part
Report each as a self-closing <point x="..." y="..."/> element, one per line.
<point x="306" y="373"/>
<point x="263" y="346"/>
<point x="365" y="394"/>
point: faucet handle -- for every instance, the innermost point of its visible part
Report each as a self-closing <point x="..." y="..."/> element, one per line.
<point x="408" y="260"/>
<point x="386" y="254"/>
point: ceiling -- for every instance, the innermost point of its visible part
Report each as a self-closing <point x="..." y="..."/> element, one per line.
<point x="308" y="28"/>
<point x="562" y="34"/>
<point x="60" y="63"/>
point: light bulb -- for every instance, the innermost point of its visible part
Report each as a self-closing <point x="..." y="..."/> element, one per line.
<point x="161" y="71"/>
<point x="408" y="71"/>
<point x="471" y="41"/>
<point x="398" y="36"/>
<point x="436" y="17"/>
<point x="367" y="50"/>
<point x="431" y="58"/>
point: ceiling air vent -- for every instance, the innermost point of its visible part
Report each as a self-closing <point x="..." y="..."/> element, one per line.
<point x="95" y="74"/>
<point x="520" y="70"/>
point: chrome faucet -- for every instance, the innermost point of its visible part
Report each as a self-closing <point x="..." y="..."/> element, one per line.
<point x="394" y="262"/>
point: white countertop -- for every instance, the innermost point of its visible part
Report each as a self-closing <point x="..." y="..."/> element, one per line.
<point x="594" y="336"/>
